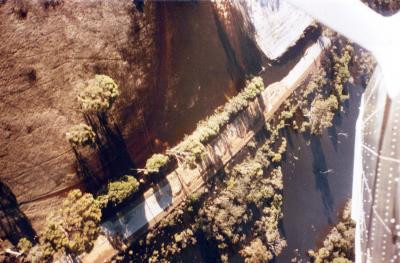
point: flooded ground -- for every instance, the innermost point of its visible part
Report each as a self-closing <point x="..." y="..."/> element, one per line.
<point x="317" y="178"/>
<point x="317" y="183"/>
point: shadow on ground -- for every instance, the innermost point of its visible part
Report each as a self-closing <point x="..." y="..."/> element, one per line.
<point x="14" y="225"/>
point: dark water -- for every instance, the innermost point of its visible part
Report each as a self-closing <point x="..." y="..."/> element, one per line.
<point x="318" y="184"/>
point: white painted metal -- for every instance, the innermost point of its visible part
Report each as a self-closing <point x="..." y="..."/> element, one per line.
<point x="367" y="28"/>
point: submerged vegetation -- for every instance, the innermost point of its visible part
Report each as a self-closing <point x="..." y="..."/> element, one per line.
<point x="338" y="246"/>
<point x="243" y="209"/>
<point x="324" y="92"/>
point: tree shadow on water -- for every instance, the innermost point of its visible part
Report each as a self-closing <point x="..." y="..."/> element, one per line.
<point x="333" y="133"/>
<point x="14" y="224"/>
<point x="320" y="173"/>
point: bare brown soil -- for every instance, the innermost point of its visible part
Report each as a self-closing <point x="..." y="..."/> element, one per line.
<point x="172" y="71"/>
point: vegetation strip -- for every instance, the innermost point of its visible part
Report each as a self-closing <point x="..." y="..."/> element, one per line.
<point x="191" y="150"/>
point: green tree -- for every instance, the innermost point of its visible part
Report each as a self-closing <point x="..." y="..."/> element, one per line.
<point x="338" y="246"/>
<point x="118" y="191"/>
<point x="256" y="252"/>
<point x="99" y="94"/>
<point x="156" y="162"/>
<point x="53" y="239"/>
<point x="81" y="216"/>
<point x="322" y="113"/>
<point x="75" y="230"/>
<point x="81" y="135"/>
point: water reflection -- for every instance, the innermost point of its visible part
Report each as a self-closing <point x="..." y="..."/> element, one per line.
<point x="320" y="171"/>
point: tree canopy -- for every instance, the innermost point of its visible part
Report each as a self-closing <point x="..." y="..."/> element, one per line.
<point x="81" y="135"/>
<point x="99" y="94"/>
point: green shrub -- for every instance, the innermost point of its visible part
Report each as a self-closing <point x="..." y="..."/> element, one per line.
<point x="223" y="219"/>
<point x="250" y="169"/>
<point x="321" y="113"/>
<point x="38" y="254"/>
<point x="267" y="234"/>
<point x="119" y="190"/>
<point x="275" y="179"/>
<point x="81" y="135"/>
<point x="283" y="146"/>
<point x="286" y="115"/>
<point x="341" y="72"/>
<point x="211" y="127"/>
<point x="256" y="251"/>
<point x="338" y="245"/>
<point x="24" y="245"/>
<point x="317" y="81"/>
<point x="99" y="94"/>
<point x="341" y="260"/>
<point x="196" y="152"/>
<point x="193" y="198"/>
<point x="264" y="192"/>
<point x="156" y="162"/>
<point x="276" y="158"/>
<point x="324" y="91"/>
